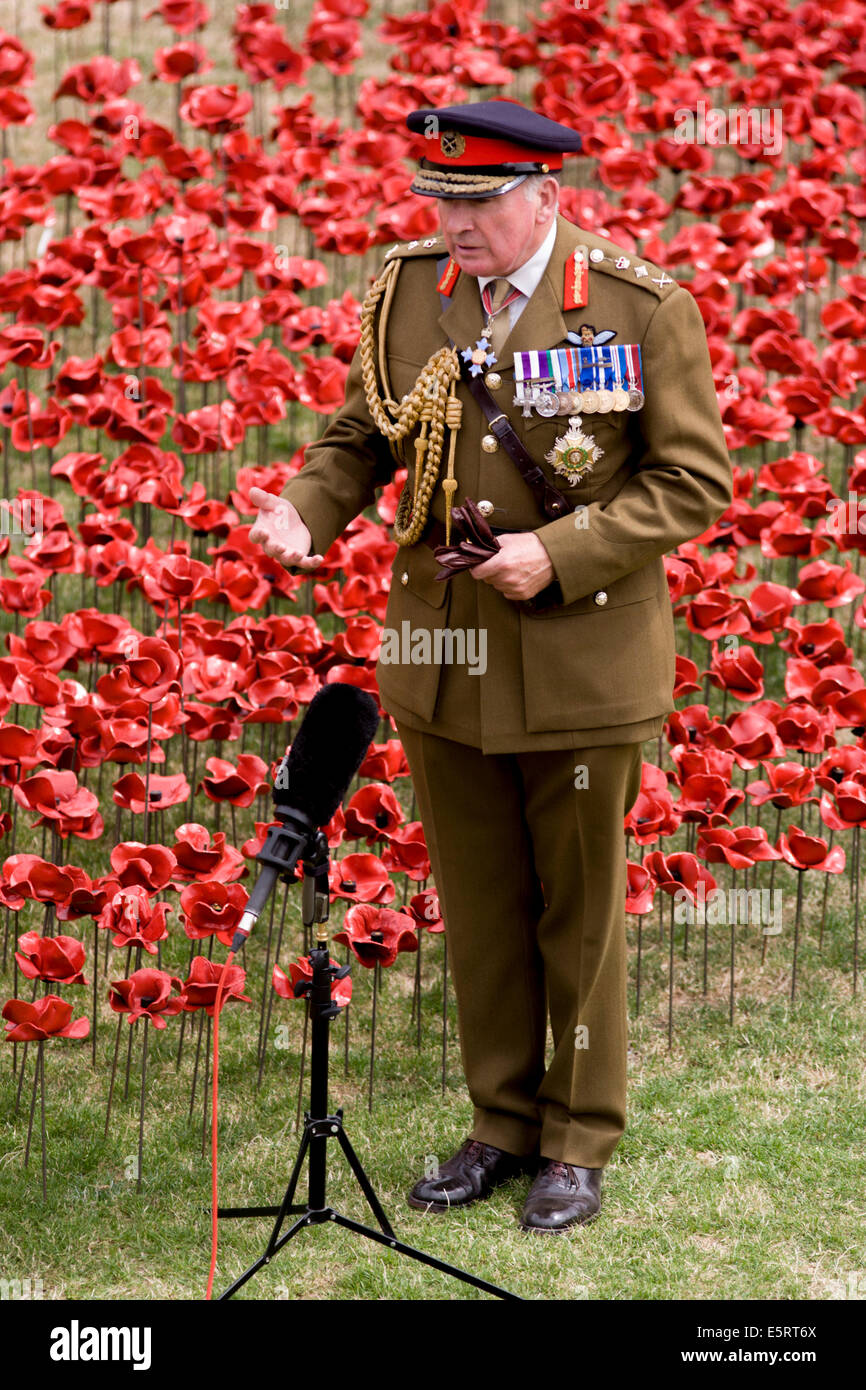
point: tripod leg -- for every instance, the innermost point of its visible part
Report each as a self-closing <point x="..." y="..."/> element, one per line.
<point x="262" y="1260"/>
<point x="290" y="1192"/>
<point x="364" y="1182"/>
<point x="401" y="1249"/>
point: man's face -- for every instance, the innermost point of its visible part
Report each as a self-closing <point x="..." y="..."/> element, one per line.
<point x="493" y="236"/>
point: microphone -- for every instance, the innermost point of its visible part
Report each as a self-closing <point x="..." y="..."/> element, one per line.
<point x="311" y="781"/>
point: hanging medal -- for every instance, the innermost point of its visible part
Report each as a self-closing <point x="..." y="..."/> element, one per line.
<point x="634" y="375"/>
<point x="478" y="357"/>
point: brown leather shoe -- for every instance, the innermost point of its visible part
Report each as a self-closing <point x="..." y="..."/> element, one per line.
<point x="562" y="1195"/>
<point x="469" y="1176"/>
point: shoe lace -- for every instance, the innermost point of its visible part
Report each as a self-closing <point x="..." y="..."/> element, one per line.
<point x="476" y="1151"/>
<point x="562" y="1170"/>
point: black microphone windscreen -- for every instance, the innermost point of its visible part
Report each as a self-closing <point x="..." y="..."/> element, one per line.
<point x="327" y="751"/>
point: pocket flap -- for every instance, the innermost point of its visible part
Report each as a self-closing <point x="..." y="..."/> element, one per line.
<point x="415" y="568"/>
<point x="631" y="588"/>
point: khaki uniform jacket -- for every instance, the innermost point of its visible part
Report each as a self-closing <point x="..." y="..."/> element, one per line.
<point x="599" y="668"/>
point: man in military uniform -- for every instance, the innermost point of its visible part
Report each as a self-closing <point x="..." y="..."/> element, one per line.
<point x="596" y="360"/>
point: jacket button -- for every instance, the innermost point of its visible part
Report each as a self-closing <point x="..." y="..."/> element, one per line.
<point x="600" y="598"/>
<point x="404" y="577"/>
<point x="493" y="380"/>
<point x="489" y="443"/>
<point x="485" y="507"/>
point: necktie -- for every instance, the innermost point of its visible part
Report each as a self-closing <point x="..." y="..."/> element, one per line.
<point x="497" y="295"/>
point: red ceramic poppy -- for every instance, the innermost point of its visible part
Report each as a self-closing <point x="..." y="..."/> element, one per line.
<point x="134" y="919"/>
<point x="750" y="736"/>
<point x="846" y="809"/>
<point x="425" y="908"/>
<point x="385" y="762"/>
<point x="739" y="672"/>
<point x="212" y="909"/>
<point x="200" y="856"/>
<point x="673" y="872"/>
<point x="640" y="889"/>
<point x="130" y="792"/>
<point x="28" y="876"/>
<point x="216" y="109"/>
<point x="372" y="813"/>
<point x="376" y="935"/>
<point x="200" y="986"/>
<point x="821" y="643"/>
<point x="150" y="866"/>
<point x="842" y="765"/>
<point x="56" y="958"/>
<point x="804" y="852"/>
<point x="740" y="845"/>
<point x="239" y="785"/>
<point x="48" y="1017"/>
<point x="146" y="994"/>
<point x="362" y="878"/>
<point x="300" y="969"/>
<point x="831" y="585"/>
<point x="788" y="784"/>
<point x="690" y="726"/>
<point x="70" y="809"/>
<point x="653" y="814"/>
<point x="406" y="852"/>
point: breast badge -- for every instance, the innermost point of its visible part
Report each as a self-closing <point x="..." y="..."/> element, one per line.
<point x="574" y="453"/>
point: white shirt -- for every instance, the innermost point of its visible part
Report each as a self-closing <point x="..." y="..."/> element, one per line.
<point x="527" y="276"/>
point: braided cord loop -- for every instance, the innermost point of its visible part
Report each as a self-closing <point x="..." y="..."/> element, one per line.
<point x="427" y="403"/>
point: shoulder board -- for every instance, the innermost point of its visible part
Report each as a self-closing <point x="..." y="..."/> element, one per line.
<point x="634" y="270"/>
<point x="430" y="246"/>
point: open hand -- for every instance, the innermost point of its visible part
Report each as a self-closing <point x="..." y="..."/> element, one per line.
<point x="281" y="533"/>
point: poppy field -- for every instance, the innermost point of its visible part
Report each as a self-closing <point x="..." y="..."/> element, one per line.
<point x="194" y="199"/>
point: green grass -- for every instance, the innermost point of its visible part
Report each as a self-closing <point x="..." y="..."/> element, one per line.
<point x="739" y="1175"/>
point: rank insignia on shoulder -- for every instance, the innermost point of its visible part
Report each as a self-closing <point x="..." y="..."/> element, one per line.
<point x="575" y="291"/>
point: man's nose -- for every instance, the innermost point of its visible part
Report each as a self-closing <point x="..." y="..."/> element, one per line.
<point x="454" y="216"/>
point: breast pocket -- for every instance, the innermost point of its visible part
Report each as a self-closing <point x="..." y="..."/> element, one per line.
<point x="608" y="431"/>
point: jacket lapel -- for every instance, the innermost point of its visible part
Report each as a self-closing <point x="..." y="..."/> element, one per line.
<point x="463" y="319"/>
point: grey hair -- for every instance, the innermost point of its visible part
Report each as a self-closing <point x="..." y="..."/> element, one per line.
<point x="532" y="183"/>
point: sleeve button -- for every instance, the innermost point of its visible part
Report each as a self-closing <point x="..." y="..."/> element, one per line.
<point x="404" y="577"/>
<point x="600" y="598"/>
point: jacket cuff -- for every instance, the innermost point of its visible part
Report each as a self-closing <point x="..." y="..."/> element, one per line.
<point x="571" y="566"/>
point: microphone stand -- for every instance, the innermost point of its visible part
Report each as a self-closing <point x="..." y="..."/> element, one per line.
<point x="320" y="1126"/>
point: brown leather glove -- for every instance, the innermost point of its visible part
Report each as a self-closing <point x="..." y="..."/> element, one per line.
<point x="476" y="541"/>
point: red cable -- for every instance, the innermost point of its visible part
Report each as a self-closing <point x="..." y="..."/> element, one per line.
<point x="213" y="1136"/>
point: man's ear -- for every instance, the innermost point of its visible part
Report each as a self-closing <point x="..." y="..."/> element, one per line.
<point x="548" y="198"/>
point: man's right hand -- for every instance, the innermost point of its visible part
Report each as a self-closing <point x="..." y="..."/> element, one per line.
<point x="281" y="533"/>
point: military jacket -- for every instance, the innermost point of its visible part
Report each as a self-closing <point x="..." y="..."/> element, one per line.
<point x="598" y="668"/>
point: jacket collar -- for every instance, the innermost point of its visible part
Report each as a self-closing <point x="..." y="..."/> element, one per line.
<point x="541" y="322"/>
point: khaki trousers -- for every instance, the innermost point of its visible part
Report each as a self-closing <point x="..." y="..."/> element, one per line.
<point x="530" y="866"/>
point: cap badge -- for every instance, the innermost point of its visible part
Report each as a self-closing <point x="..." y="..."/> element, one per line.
<point x="452" y="144"/>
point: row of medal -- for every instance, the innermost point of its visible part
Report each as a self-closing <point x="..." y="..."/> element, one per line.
<point x="579" y="381"/>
